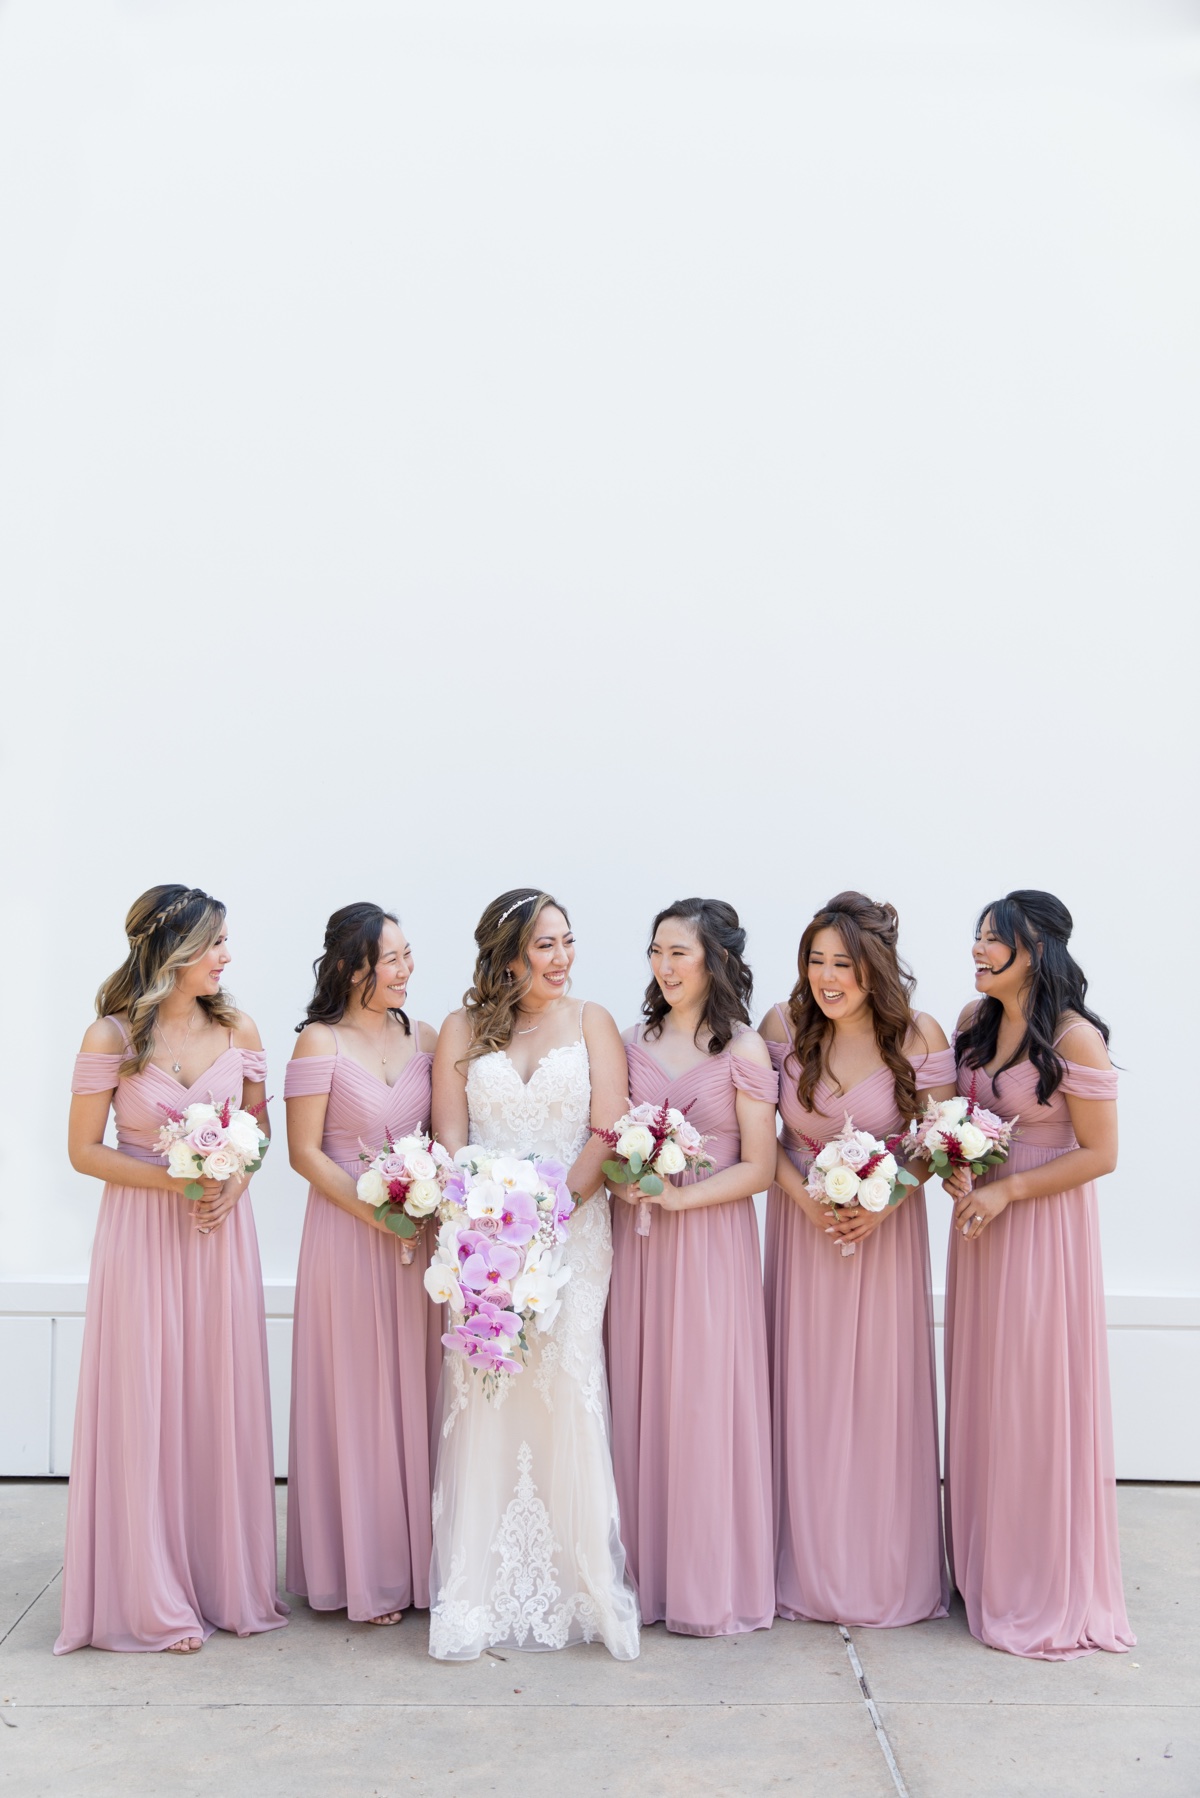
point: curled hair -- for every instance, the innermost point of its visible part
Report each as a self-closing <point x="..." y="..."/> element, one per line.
<point x="869" y="930"/>
<point x="502" y="936"/>
<point x="730" y="982"/>
<point x="351" y="938"/>
<point x="1040" y="923"/>
<point x="168" y="928"/>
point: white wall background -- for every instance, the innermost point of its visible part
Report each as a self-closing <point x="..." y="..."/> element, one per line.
<point x="640" y="449"/>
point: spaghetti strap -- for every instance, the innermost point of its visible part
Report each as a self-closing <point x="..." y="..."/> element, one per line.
<point x="582" y="1009"/>
<point x="1079" y="1024"/>
<point x="125" y="1036"/>
<point x="785" y="1021"/>
<point x="337" y="1041"/>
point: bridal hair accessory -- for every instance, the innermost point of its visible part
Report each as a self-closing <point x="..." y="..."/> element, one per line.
<point x="164" y="917"/>
<point x="516" y="907"/>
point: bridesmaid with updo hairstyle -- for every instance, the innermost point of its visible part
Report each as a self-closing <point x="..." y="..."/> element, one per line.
<point x="1031" y="1502"/>
<point x="686" y="1333"/>
<point x="366" y="1347"/>
<point x="858" y="1526"/>
<point x="171" y="1505"/>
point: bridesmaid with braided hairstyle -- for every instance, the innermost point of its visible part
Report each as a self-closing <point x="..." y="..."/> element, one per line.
<point x="858" y="1527"/>
<point x="171" y="1510"/>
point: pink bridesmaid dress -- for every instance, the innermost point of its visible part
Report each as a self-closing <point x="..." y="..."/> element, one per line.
<point x="858" y="1521"/>
<point x="687" y="1355"/>
<point x="366" y="1352"/>
<point x="171" y="1508"/>
<point x="1031" y="1498"/>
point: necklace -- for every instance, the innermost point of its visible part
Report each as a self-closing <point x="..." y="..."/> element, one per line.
<point x="529" y="1030"/>
<point x="176" y="1060"/>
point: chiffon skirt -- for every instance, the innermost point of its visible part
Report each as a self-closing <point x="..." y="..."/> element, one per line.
<point x="171" y="1508"/>
<point x="858" y="1523"/>
<point x="366" y="1353"/>
<point x="1031" y="1503"/>
<point x="687" y="1358"/>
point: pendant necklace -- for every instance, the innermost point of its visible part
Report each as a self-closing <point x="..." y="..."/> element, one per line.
<point x="176" y="1067"/>
<point x="529" y="1030"/>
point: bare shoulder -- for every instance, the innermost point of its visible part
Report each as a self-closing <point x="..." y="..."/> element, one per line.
<point x="102" y="1038"/>
<point x="1081" y="1042"/>
<point x="966" y="1015"/>
<point x="455" y="1032"/>
<point x="926" y="1036"/>
<point x="748" y="1045"/>
<point x="773" y="1029"/>
<point x="629" y="1037"/>
<point x="245" y="1032"/>
<point x="598" y="1025"/>
<point x="427" y="1037"/>
<point x="314" y="1039"/>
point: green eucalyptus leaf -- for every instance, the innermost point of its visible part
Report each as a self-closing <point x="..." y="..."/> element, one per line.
<point x="636" y="1164"/>
<point x="616" y="1172"/>
<point x="651" y="1185"/>
<point x="400" y="1225"/>
<point x="193" y="1190"/>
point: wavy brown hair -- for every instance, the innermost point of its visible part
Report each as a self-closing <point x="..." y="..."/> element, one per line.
<point x="503" y="935"/>
<point x="730" y="982"/>
<point x="351" y="942"/>
<point x="869" y="930"/>
<point x="168" y="928"/>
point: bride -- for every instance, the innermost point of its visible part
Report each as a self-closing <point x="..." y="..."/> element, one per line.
<point x="526" y="1540"/>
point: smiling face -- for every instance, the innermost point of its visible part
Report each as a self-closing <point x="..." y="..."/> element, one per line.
<point x="677" y="963"/>
<point x="1000" y="971"/>
<point x="834" y="979"/>
<point x="202" y="977"/>
<point x="550" y="954"/>
<point x="392" y="971"/>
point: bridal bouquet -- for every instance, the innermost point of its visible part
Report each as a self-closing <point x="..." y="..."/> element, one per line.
<point x="404" y="1181"/>
<point x="210" y="1142"/>
<point x="498" y="1262"/>
<point x="855" y="1168"/>
<point x="650" y="1142"/>
<point x="958" y="1133"/>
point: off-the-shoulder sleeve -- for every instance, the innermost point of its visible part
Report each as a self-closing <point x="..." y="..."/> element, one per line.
<point x="254" y="1065"/>
<point x="778" y="1052"/>
<point x="96" y="1073"/>
<point x="935" y="1069"/>
<point x="307" y="1076"/>
<point x="1089" y="1083"/>
<point x="759" y="1082"/>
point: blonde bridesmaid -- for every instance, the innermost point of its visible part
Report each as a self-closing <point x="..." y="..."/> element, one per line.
<point x="686" y="1330"/>
<point x="858" y="1527"/>
<point x="1031" y="1502"/>
<point x="171" y="1510"/>
<point x="366" y="1347"/>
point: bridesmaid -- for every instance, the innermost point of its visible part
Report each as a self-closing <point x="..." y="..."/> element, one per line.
<point x="686" y="1333"/>
<point x="858" y="1530"/>
<point x="1031" y="1502"/>
<point x="366" y="1347"/>
<point x="171" y="1508"/>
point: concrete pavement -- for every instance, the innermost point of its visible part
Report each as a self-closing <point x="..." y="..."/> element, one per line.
<point x="326" y="1707"/>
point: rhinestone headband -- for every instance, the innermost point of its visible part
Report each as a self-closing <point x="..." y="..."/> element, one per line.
<point x="516" y="907"/>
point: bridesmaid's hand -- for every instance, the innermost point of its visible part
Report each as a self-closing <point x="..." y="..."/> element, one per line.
<point x="211" y="1212"/>
<point x="958" y="1183"/>
<point x="815" y="1210"/>
<point x="976" y="1211"/>
<point x="211" y="1188"/>
<point x="853" y="1223"/>
<point x="631" y="1194"/>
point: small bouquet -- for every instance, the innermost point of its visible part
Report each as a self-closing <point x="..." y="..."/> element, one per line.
<point x="855" y="1168"/>
<point x="210" y="1142"/>
<point x="498" y="1262"/>
<point x="404" y="1181"/>
<point x="650" y="1142"/>
<point x="958" y="1133"/>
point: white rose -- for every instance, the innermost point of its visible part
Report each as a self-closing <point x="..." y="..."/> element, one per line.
<point x="199" y="1113"/>
<point x="875" y="1193"/>
<point x="372" y="1187"/>
<point x="638" y="1141"/>
<point x="674" y="1117"/>
<point x="827" y="1158"/>
<point x="952" y="1111"/>
<point x="442" y="1286"/>
<point x="841" y="1185"/>
<point x="243" y="1134"/>
<point x="972" y="1141"/>
<point x="424" y="1196"/>
<point x="671" y="1159"/>
<point x="181" y="1162"/>
<point x="222" y="1164"/>
<point x="420" y="1164"/>
<point x="886" y="1168"/>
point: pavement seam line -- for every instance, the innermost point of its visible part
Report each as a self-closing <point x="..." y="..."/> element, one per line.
<point x="881" y="1734"/>
<point x="12" y="1626"/>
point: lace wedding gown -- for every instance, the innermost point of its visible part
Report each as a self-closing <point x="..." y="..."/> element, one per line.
<point x="526" y="1541"/>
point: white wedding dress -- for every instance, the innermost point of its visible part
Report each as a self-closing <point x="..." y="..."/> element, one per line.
<point x="526" y="1541"/>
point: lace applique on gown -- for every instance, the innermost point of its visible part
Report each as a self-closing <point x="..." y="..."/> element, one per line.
<point x="526" y="1540"/>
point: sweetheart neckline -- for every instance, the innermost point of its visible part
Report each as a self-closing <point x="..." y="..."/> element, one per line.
<point x="541" y="1061"/>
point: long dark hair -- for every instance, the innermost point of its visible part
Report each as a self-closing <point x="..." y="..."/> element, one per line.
<point x="1041" y="924"/>
<point x="351" y="938"/>
<point x="730" y="982"/>
<point x="870" y="929"/>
